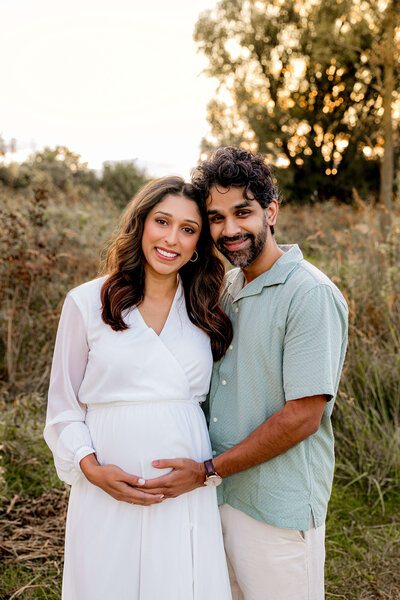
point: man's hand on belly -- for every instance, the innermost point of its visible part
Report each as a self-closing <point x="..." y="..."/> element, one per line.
<point x="186" y="475"/>
<point x="120" y="485"/>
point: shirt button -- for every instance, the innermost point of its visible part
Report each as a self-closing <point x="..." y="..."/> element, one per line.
<point x="231" y="347"/>
<point x="214" y="452"/>
<point x="215" y="419"/>
<point x="237" y="309"/>
<point x="223" y="382"/>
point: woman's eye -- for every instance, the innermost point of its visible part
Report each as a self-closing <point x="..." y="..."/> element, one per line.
<point x="161" y="221"/>
<point x="188" y="230"/>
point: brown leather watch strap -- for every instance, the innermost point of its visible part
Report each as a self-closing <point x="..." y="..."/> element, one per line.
<point x="209" y="467"/>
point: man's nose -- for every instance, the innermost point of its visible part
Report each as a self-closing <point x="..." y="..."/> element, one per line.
<point x="231" y="228"/>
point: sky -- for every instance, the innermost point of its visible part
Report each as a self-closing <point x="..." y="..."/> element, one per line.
<point x="111" y="80"/>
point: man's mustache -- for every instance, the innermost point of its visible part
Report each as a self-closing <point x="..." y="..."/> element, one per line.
<point x="236" y="238"/>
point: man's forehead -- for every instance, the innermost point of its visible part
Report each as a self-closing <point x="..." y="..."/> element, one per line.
<point x="228" y="197"/>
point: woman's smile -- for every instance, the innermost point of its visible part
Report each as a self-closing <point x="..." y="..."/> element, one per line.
<point x="165" y="254"/>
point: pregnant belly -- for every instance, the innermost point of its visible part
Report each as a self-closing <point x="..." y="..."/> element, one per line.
<point x="132" y="436"/>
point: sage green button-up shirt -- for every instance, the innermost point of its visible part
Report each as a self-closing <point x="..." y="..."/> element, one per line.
<point x="290" y="336"/>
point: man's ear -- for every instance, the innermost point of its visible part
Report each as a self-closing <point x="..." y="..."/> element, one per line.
<point x="271" y="213"/>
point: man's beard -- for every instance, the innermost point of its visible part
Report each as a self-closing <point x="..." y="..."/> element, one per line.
<point x="243" y="258"/>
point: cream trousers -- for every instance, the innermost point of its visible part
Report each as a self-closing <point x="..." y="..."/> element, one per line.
<point x="269" y="563"/>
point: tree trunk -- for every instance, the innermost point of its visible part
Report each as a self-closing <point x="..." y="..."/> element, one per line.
<point x="387" y="169"/>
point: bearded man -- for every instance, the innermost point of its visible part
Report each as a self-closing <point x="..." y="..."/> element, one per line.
<point x="271" y="395"/>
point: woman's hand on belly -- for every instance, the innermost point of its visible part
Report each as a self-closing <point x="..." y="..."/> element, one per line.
<point x="120" y="485"/>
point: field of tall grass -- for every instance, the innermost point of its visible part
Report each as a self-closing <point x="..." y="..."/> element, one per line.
<point x="50" y="240"/>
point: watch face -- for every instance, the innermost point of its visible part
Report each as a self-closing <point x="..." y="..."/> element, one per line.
<point x="213" y="480"/>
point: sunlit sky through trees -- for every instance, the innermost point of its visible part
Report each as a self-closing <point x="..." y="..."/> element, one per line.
<point x="110" y="80"/>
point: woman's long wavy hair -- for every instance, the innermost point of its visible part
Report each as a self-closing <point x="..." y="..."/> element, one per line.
<point x="125" y="266"/>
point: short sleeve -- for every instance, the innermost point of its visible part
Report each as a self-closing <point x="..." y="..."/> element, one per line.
<point x="65" y="432"/>
<point x="314" y="344"/>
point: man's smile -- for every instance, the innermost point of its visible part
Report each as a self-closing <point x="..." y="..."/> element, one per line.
<point x="235" y="243"/>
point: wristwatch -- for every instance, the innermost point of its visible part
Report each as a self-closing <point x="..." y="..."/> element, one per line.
<point x="212" y="477"/>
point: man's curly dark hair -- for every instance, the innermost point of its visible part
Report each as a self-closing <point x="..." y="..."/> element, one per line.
<point x="232" y="166"/>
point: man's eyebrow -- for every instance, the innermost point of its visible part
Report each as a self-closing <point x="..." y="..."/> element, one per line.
<point x="161" y="212"/>
<point x="244" y="204"/>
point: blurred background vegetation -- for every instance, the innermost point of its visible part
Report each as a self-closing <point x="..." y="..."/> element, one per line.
<point x="314" y="86"/>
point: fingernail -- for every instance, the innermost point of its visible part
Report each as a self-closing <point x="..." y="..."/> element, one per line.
<point x="141" y="481"/>
<point x="156" y="463"/>
<point x="161" y="496"/>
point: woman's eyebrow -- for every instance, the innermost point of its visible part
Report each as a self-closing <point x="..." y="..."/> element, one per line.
<point x="161" y="212"/>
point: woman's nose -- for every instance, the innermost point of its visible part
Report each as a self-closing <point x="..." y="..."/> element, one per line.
<point x="171" y="236"/>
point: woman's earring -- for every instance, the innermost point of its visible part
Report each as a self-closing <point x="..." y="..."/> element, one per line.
<point x="194" y="259"/>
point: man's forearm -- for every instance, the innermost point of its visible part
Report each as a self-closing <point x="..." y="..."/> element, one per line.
<point x="283" y="430"/>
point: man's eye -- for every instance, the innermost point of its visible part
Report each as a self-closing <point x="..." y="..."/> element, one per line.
<point x="243" y="213"/>
<point x="215" y="219"/>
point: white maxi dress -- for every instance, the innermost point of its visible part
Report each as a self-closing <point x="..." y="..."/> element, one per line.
<point x="133" y="397"/>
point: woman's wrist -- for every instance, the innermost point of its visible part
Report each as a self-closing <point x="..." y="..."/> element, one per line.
<point x="89" y="464"/>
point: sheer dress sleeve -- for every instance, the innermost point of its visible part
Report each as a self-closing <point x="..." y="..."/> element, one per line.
<point x="65" y="432"/>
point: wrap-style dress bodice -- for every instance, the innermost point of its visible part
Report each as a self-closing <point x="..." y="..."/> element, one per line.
<point x="132" y="397"/>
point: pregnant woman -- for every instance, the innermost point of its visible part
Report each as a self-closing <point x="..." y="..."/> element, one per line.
<point x="131" y="365"/>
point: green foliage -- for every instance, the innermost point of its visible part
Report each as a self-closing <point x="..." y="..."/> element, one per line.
<point x="368" y="446"/>
<point x="49" y="242"/>
<point x="23" y="580"/>
<point x="302" y="83"/>
<point x="350" y="247"/>
<point x="362" y="549"/>
<point x="5" y="175"/>
<point x="63" y="167"/>
<point x="60" y="168"/>
<point x="121" y="181"/>
<point x="362" y="546"/>
<point x="60" y="154"/>
<point x="32" y="505"/>
<point x="26" y="462"/>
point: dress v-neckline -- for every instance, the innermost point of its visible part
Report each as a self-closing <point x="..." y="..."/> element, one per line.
<point x="174" y="300"/>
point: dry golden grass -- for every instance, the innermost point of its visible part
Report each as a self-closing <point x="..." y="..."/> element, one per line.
<point x="50" y="241"/>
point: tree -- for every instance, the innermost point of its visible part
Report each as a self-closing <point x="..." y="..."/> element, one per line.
<point x="299" y="81"/>
<point x="121" y="181"/>
<point x="388" y="55"/>
<point x="64" y="167"/>
<point x="2" y="147"/>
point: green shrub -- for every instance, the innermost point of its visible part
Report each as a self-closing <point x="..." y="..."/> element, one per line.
<point x="121" y="181"/>
<point x="49" y="242"/>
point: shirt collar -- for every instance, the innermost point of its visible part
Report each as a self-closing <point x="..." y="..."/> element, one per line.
<point x="277" y="274"/>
